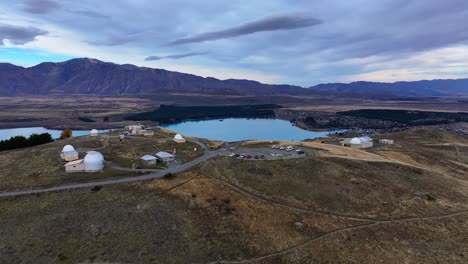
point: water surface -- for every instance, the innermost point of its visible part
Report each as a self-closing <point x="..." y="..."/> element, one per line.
<point x="236" y="129"/>
<point x="27" y="131"/>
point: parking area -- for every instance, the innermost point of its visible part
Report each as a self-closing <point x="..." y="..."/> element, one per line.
<point x="267" y="153"/>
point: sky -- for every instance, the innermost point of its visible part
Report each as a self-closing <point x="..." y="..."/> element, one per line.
<point x="300" y="42"/>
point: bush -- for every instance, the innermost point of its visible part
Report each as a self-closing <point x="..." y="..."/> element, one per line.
<point x="66" y="133"/>
<point x="169" y="175"/>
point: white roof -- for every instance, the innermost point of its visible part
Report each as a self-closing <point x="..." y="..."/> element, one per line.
<point x="178" y="136"/>
<point x="355" y="141"/>
<point x="75" y="162"/>
<point x="93" y="157"/>
<point x="94" y="131"/>
<point x="365" y="139"/>
<point x="148" y="157"/>
<point x="163" y="154"/>
<point x="68" y="148"/>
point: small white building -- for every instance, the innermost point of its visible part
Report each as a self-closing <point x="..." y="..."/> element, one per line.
<point x="75" y="166"/>
<point x="386" y="141"/>
<point x="149" y="159"/>
<point x="179" y="138"/>
<point x="134" y="129"/>
<point x="165" y="156"/>
<point x="94" y="133"/>
<point x="69" y="153"/>
<point x="146" y="132"/>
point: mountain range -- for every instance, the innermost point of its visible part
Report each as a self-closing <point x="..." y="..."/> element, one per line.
<point x="94" y="77"/>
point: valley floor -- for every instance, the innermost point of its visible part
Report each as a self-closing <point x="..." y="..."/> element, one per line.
<point x="88" y="112"/>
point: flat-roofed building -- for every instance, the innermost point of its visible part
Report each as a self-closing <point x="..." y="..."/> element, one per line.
<point x="165" y="156"/>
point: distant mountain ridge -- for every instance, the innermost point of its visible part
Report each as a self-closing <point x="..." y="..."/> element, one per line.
<point x="91" y="76"/>
<point x="94" y="77"/>
<point x="425" y="88"/>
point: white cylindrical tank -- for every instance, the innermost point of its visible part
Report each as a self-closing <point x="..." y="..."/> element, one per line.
<point x="68" y="148"/>
<point x="93" y="161"/>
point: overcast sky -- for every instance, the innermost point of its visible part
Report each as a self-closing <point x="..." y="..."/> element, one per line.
<point x="301" y="42"/>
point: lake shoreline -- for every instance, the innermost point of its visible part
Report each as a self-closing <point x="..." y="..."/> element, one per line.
<point x="238" y="129"/>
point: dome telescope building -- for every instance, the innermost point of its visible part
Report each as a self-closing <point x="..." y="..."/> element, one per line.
<point x="94" y="133"/>
<point x="358" y="142"/>
<point x="92" y="162"/>
<point x="179" y="138"/>
<point x="69" y="153"/>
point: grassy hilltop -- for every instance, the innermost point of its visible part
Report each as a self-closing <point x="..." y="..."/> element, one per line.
<point x="400" y="203"/>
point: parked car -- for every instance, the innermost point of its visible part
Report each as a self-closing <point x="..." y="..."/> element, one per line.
<point x="282" y="148"/>
<point x="274" y="147"/>
<point x="232" y="155"/>
<point x="236" y="155"/>
<point x="300" y="152"/>
<point x="248" y="157"/>
<point x="289" y="148"/>
<point x="262" y="156"/>
<point x="256" y="157"/>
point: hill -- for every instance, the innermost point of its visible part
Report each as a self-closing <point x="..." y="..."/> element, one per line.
<point x="94" y="77"/>
<point x="91" y="76"/>
<point x="402" y="203"/>
<point x="433" y="88"/>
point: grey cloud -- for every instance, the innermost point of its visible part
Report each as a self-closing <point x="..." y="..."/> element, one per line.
<point x="19" y="35"/>
<point x="115" y="40"/>
<point x="39" y="6"/>
<point x="175" y="57"/>
<point x="274" y="23"/>
<point x="89" y="13"/>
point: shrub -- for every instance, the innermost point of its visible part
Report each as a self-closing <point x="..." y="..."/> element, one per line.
<point x="66" y="133"/>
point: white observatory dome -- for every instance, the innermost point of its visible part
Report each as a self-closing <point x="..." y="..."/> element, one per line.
<point x="93" y="161"/>
<point x="178" y="136"/>
<point x="355" y="141"/>
<point x="365" y="139"/>
<point x="68" y="148"/>
<point x="94" y="131"/>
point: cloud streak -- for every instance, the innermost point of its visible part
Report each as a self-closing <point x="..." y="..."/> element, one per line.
<point x="274" y="23"/>
<point x="19" y="35"/>
<point x="39" y="6"/>
<point x="175" y="56"/>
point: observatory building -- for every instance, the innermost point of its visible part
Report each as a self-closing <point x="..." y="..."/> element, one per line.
<point x="179" y="138"/>
<point x="358" y="142"/>
<point x="92" y="162"/>
<point x="94" y="133"/>
<point x="69" y="153"/>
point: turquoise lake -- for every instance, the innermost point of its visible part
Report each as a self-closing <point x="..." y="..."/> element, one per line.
<point x="236" y="129"/>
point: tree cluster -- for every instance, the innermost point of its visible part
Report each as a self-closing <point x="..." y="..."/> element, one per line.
<point x="23" y="142"/>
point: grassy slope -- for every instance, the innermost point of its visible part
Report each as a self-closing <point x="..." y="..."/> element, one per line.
<point x="197" y="217"/>
<point x="42" y="166"/>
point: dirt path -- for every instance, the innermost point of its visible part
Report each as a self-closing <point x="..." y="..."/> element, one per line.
<point x="261" y="198"/>
<point x="336" y="231"/>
